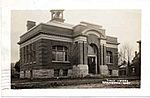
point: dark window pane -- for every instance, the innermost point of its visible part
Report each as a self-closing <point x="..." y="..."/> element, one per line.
<point x="59" y="48"/>
<point x="110" y="72"/>
<point x="33" y="47"/>
<point x="65" y="48"/>
<point x="56" y="72"/>
<point x="54" y="47"/>
<point x="65" y="72"/>
<point x="24" y="51"/>
<point x="66" y="57"/>
<point x="27" y="53"/>
<point x="34" y="55"/>
<point x="54" y="56"/>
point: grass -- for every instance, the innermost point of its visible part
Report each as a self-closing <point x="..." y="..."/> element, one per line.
<point x="93" y="82"/>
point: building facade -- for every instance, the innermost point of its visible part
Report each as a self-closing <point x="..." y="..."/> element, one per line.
<point x="135" y="67"/>
<point x="123" y="69"/>
<point x="58" y="49"/>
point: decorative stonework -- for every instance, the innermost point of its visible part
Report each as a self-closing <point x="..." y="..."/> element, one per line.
<point x="80" y="70"/>
<point x="103" y="42"/>
<point x="57" y="15"/>
<point x="44" y="36"/>
<point x="70" y="72"/>
<point x="114" y="72"/>
<point x="80" y="39"/>
<point x="104" y="70"/>
<point x="111" y="45"/>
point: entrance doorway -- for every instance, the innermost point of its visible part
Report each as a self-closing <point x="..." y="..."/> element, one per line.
<point x="92" y="58"/>
<point x="92" y="64"/>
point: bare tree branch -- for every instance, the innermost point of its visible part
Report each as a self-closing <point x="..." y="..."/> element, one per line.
<point x="125" y="53"/>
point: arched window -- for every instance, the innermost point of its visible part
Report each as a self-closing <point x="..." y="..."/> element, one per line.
<point x="59" y="53"/>
<point x="109" y="57"/>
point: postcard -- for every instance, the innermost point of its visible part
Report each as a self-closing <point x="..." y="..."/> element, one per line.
<point x="75" y="51"/>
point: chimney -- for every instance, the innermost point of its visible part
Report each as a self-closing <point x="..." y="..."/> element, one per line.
<point x="30" y="24"/>
<point x="57" y="15"/>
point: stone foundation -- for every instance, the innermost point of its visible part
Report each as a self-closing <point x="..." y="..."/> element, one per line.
<point x="77" y="71"/>
<point x="80" y="70"/>
<point x="21" y="74"/>
<point x="43" y="73"/>
<point x="61" y="72"/>
<point x="104" y="70"/>
<point x="69" y="72"/>
<point x="114" y="72"/>
<point x="27" y="74"/>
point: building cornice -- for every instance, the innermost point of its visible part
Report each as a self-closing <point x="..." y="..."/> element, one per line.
<point x="45" y="36"/>
<point x="112" y="43"/>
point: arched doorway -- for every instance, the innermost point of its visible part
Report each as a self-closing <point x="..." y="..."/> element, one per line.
<point x="92" y="58"/>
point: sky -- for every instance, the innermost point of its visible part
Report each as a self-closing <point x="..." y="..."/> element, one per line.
<point x="123" y="24"/>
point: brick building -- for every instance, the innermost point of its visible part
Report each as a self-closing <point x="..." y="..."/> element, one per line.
<point x="57" y="49"/>
<point x="135" y="67"/>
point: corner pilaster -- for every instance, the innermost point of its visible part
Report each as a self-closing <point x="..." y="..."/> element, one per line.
<point x="81" y="69"/>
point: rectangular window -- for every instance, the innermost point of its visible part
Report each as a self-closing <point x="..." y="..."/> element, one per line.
<point x="66" y="56"/>
<point x="34" y="56"/>
<point x="109" y="57"/>
<point x="59" y="53"/>
<point x="110" y="72"/>
<point x="133" y="70"/>
<point x="65" y="72"/>
<point x="27" y="54"/>
<point x="53" y="55"/>
<point x="21" y="55"/>
<point x="56" y="72"/>
<point x="30" y="52"/>
<point x="24" y="54"/>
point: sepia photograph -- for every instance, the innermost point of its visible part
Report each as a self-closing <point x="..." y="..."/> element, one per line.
<point x="75" y="49"/>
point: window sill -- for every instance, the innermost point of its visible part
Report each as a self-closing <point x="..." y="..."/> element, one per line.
<point x="60" y="62"/>
<point x="109" y="63"/>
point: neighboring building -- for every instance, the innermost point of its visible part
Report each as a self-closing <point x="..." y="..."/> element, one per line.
<point x="14" y="73"/>
<point x="56" y="49"/>
<point x="123" y="69"/>
<point x="12" y="69"/>
<point x="135" y="67"/>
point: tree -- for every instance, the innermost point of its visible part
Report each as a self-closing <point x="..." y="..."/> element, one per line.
<point x="17" y="66"/>
<point x="125" y="53"/>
